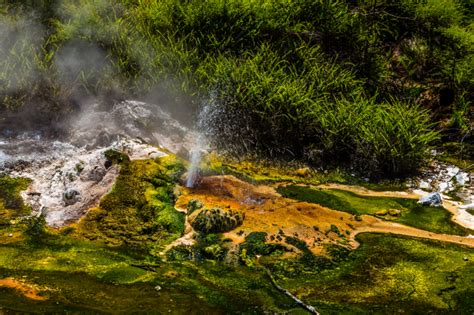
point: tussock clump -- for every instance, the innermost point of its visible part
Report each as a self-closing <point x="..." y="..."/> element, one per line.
<point x="217" y="220"/>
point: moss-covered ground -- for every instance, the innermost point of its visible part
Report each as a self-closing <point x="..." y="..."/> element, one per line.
<point x="434" y="219"/>
<point x="11" y="204"/>
<point x="109" y="262"/>
<point x="138" y="212"/>
<point x="389" y="275"/>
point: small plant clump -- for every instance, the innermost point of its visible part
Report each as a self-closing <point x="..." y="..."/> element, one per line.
<point x="296" y="242"/>
<point x="11" y="203"/>
<point x="256" y="244"/>
<point x="194" y="205"/>
<point x="217" y="220"/>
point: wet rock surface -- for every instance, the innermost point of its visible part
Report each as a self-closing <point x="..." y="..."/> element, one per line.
<point x="433" y="200"/>
<point x="453" y="185"/>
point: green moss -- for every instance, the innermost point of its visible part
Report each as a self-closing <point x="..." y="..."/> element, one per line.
<point x="194" y="205"/>
<point x="296" y="242"/>
<point x="116" y="157"/>
<point x="11" y="203"/>
<point x="389" y="274"/>
<point x="434" y="219"/>
<point x="89" y="277"/>
<point x="335" y="229"/>
<point x="139" y="211"/>
<point x="180" y="253"/>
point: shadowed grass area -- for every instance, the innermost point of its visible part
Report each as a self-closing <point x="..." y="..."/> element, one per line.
<point x="83" y="276"/>
<point x="390" y="274"/>
<point x="409" y="212"/>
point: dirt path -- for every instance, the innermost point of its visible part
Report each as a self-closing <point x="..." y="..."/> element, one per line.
<point x="380" y="226"/>
<point x="370" y="193"/>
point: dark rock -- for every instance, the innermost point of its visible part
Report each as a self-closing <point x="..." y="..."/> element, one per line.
<point x="108" y="164"/>
<point x="97" y="173"/>
<point x="71" y="196"/>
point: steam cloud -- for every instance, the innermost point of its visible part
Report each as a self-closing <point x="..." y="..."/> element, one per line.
<point x="63" y="78"/>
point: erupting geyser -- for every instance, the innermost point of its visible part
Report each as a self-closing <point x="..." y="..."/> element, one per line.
<point x="195" y="156"/>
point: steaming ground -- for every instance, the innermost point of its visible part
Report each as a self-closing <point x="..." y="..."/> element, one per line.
<point x="70" y="173"/>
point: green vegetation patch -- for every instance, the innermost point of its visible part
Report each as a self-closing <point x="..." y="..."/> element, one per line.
<point x="401" y="210"/>
<point x="217" y="220"/>
<point x="11" y="203"/>
<point x="256" y="244"/>
<point x="139" y="211"/>
<point x="390" y="274"/>
<point x="83" y="276"/>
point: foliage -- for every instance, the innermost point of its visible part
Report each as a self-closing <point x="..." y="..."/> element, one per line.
<point x="346" y="82"/>
<point x="256" y="244"/>
<point x="217" y="220"/>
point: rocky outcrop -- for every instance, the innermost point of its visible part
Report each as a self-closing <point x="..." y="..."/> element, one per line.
<point x="66" y="186"/>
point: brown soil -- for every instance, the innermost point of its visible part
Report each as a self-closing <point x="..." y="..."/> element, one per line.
<point x="266" y="211"/>
<point x="366" y="192"/>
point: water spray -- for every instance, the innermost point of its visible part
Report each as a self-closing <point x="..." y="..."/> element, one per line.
<point x="195" y="156"/>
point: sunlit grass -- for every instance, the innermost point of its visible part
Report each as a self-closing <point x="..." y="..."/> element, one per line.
<point x="434" y="219"/>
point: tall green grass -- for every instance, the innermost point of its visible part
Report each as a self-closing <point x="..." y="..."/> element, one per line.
<point x="338" y="81"/>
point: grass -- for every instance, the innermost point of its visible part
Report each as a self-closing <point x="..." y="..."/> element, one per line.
<point x="390" y="274"/>
<point x="434" y="219"/>
<point x="333" y="77"/>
